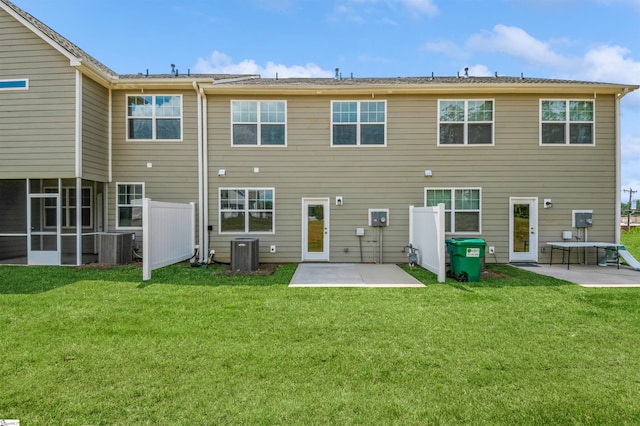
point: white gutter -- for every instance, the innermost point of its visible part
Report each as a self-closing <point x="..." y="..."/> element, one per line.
<point x="200" y="177"/>
<point x="205" y="174"/>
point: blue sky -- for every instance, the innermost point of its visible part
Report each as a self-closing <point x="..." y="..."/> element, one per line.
<point x="596" y="40"/>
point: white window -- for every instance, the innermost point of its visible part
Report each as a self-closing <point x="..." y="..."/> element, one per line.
<point x="246" y="210"/>
<point x="22" y="84"/>
<point x="68" y="199"/>
<point x="259" y="123"/>
<point x="154" y="117"/>
<point x="465" y="122"/>
<point x="358" y="123"/>
<point x="129" y="205"/>
<point x="461" y="206"/>
<point x="567" y="122"/>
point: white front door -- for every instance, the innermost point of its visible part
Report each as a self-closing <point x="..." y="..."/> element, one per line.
<point x="523" y="229"/>
<point x="43" y="234"/>
<point x="315" y="229"/>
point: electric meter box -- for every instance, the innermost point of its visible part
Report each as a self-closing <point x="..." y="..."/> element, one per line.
<point x="378" y="217"/>
<point x="582" y="219"/>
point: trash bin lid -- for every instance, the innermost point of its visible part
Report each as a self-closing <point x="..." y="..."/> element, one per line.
<point x="468" y="241"/>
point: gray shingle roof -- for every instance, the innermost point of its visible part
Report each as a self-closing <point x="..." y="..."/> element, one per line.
<point x="189" y="76"/>
<point x="407" y="81"/>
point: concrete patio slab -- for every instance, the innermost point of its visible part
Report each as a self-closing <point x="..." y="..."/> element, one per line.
<point x="589" y="275"/>
<point x="351" y="275"/>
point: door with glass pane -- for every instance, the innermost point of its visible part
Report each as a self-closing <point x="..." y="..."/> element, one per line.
<point x="523" y="230"/>
<point x="315" y="229"/>
<point x="43" y="235"/>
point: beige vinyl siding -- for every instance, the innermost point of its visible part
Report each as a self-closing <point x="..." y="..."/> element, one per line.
<point x="173" y="176"/>
<point x="95" y="131"/>
<point x="574" y="177"/>
<point x="37" y="130"/>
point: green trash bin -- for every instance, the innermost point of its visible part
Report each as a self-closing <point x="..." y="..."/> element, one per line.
<point x="466" y="256"/>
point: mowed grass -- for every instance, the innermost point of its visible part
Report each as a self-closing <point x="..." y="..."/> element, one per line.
<point x="194" y="346"/>
<point x="631" y="240"/>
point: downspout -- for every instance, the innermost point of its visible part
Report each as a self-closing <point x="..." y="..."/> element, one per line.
<point x="205" y="174"/>
<point x="78" y="137"/>
<point x="110" y="136"/>
<point x="105" y="207"/>
<point x="618" y="209"/>
<point x="200" y="177"/>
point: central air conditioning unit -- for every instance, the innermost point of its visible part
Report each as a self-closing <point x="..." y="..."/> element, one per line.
<point x="245" y="253"/>
<point x="116" y="248"/>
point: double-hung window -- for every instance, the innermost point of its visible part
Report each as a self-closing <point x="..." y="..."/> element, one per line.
<point x="259" y="123"/>
<point x="566" y="122"/>
<point x="68" y="209"/>
<point x="358" y="123"/>
<point x="129" y="205"/>
<point x="466" y="122"/>
<point x="154" y="117"/>
<point x="246" y="210"/>
<point x="461" y="206"/>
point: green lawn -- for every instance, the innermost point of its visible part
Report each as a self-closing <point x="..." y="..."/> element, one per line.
<point x="194" y="346"/>
<point x="631" y="240"/>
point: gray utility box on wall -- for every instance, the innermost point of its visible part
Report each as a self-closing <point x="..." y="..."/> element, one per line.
<point x="245" y="253"/>
<point x="115" y="248"/>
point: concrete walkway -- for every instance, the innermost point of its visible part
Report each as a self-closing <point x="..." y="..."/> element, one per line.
<point x="390" y="275"/>
<point x="351" y="275"/>
<point x="589" y="275"/>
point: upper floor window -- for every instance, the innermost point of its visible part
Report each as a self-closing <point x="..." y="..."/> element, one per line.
<point x="358" y="123"/>
<point x="259" y="123"/>
<point x="22" y="84"/>
<point x="129" y="198"/>
<point x="566" y="122"/>
<point x="245" y="210"/>
<point x="154" y="117"/>
<point x="465" y="122"/>
<point x="461" y="206"/>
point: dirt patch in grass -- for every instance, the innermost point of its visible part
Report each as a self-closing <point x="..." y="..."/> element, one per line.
<point x="490" y="273"/>
<point x="263" y="269"/>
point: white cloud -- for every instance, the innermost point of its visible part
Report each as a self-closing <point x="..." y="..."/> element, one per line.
<point x="220" y="63"/>
<point x="478" y="70"/>
<point x="516" y="42"/>
<point x="600" y="63"/>
<point x="612" y="64"/>
<point x="420" y="7"/>
<point x="415" y="7"/>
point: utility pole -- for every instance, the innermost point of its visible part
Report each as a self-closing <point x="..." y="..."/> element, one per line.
<point x="631" y="192"/>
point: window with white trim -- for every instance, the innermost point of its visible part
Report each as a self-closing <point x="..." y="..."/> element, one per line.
<point x="466" y="122"/>
<point x="154" y="117"/>
<point x="567" y="122"/>
<point x="259" y="123"/>
<point x="129" y="198"/>
<point x="246" y="210"/>
<point x="20" y="84"/>
<point x="68" y="207"/>
<point x="462" y="207"/>
<point x="358" y="123"/>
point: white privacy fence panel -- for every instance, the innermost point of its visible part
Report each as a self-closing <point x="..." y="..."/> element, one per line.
<point x="426" y="233"/>
<point x="168" y="234"/>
